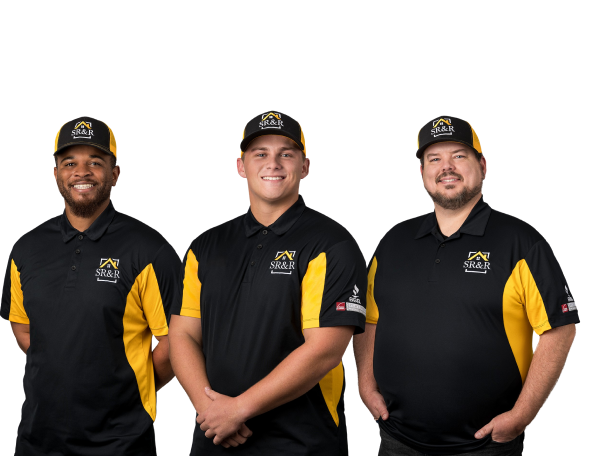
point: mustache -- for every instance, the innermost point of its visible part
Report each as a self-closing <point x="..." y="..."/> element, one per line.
<point x="448" y="173"/>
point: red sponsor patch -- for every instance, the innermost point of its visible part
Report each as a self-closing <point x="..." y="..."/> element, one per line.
<point x="565" y="308"/>
<point x="340" y="306"/>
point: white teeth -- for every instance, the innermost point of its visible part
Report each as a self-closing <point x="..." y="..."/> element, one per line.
<point x="83" y="186"/>
<point x="272" y="178"/>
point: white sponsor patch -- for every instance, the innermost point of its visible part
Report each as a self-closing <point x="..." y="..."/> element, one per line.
<point x="572" y="306"/>
<point x="356" y="308"/>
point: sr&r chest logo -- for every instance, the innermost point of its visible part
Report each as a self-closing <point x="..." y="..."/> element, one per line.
<point x="478" y="262"/>
<point x="108" y="270"/>
<point x="284" y="262"/>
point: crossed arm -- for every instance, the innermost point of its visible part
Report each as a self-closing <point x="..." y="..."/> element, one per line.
<point x="223" y="418"/>
<point x="546" y="366"/>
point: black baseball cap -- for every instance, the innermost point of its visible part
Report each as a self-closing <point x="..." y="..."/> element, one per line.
<point x="86" y="130"/>
<point x="273" y="123"/>
<point x="447" y="128"/>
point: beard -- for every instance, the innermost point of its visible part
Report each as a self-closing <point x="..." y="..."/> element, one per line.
<point x="460" y="199"/>
<point x="88" y="207"/>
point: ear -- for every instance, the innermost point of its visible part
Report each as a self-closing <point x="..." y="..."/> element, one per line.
<point x="55" y="172"/>
<point x="305" y="168"/>
<point x="116" y="171"/>
<point x="483" y="166"/>
<point x="421" y="170"/>
<point x="241" y="168"/>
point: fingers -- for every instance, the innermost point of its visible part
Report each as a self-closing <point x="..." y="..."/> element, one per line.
<point x="376" y="405"/>
<point x="238" y="439"/>
<point x="486" y="430"/>
<point x="245" y="431"/>
<point x="230" y="441"/>
<point x="211" y="393"/>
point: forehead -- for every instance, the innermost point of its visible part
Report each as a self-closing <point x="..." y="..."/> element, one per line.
<point x="272" y="141"/>
<point x="448" y="147"/>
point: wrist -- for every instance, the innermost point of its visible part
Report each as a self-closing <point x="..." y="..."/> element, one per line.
<point x="522" y="416"/>
<point x="245" y="409"/>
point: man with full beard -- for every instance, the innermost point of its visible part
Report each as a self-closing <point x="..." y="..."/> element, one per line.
<point x="84" y="293"/>
<point x="446" y="363"/>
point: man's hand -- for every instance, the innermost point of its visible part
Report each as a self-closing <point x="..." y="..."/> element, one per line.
<point x="503" y="428"/>
<point x="375" y="403"/>
<point x="223" y="420"/>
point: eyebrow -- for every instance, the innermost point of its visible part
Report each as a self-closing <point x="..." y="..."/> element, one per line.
<point x="71" y="157"/>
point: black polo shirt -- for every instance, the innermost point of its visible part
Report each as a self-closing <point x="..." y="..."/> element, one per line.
<point x="255" y="290"/>
<point x="93" y="300"/>
<point x="455" y="319"/>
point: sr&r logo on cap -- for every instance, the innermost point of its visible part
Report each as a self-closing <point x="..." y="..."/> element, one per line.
<point x="273" y="123"/>
<point x="447" y="128"/>
<point x="86" y="130"/>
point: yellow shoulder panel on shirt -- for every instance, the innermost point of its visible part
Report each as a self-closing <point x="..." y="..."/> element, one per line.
<point x="331" y="388"/>
<point x="312" y="290"/>
<point x="372" y="310"/>
<point x="17" y="313"/>
<point x="191" y="299"/>
<point x="137" y="336"/>
<point x="536" y="310"/>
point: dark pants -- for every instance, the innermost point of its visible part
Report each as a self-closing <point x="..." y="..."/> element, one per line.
<point x="391" y="447"/>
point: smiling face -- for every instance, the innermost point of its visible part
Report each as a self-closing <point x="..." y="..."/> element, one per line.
<point x="273" y="166"/>
<point x="85" y="177"/>
<point x="452" y="174"/>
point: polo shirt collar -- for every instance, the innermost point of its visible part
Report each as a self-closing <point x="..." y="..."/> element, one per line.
<point x="94" y="232"/>
<point x="281" y="225"/>
<point x="475" y="224"/>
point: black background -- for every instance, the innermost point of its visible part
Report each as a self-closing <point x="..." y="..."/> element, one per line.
<point x="179" y="176"/>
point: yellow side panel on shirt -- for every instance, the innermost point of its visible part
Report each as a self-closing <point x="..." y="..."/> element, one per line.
<point x="523" y="311"/>
<point x="144" y="316"/>
<point x="191" y="299"/>
<point x="332" y="387"/>
<point x="372" y="310"/>
<point x="17" y="313"/>
<point x="312" y="290"/>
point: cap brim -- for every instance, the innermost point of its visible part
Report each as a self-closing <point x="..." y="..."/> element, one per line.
<point x="248" y="139"/>
<point x="439" y="140"/>
<point x="97" y="146"/>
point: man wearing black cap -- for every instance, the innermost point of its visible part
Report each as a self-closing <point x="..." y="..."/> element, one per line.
<point x="446" y="363"/>
<point x="270" y="302"/>
<point x="84" y="293"/>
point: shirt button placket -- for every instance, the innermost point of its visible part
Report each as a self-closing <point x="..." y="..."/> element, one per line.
<point x="76" y="261"/>
<point x="257" y="253"/>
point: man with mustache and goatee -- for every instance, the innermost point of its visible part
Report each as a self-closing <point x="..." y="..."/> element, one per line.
<point x="85" y="292"/>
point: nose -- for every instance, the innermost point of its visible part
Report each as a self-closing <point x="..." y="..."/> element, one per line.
<point x="448" y="165"/>
<point x="81" y="170"/>
<point x="273" y="161"/>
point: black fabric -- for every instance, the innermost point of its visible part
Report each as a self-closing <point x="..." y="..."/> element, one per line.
<point x="445" y="128"/>
<point x="251" y="317"/>
<point x="272" y="123"/>
<point x="82" y="396"/>
<point x="84" y="130"/>
<point x="442" y="358"/>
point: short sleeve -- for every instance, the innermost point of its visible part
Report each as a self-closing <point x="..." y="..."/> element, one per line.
<point x="190" y="303"/>
<point x="334" y="288"/>
<point x="160" y="289"/>
<point x="548" y="299"/>
<point x="12" y="307"/>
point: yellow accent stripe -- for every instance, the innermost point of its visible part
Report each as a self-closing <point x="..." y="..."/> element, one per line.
<point x="372" y="310"/>
<point x="191" y="299"/>
<point x="331" y="388"/>
<point x="304" y="147"/>
<point x="109" y="260"/>
<point x="57" y="140"/>
<point x="17" y="312"/>
<point x="142" y="311"/>
<point x="112" y="142"/>
<point x="475" y="140"/>
<point x="523" y="312"/>
<point x="312" y="291"/>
